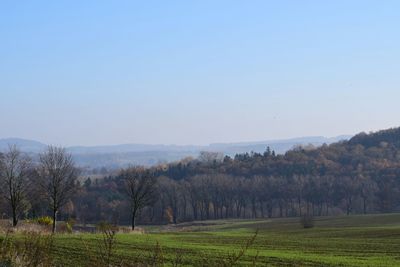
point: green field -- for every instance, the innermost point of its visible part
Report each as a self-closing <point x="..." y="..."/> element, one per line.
<point x="372" y="240"/>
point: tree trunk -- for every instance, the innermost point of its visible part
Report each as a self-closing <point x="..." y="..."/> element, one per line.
<point x="215" y="210"/>
<point x="299" y="201"/>
<point x="15" y="219"/>
<point x="133" y="219"/>
<point x="184" y="209"/>
<point x="54" y="221"/>
<point x="195" y="213"/>
<point x="14" y="214"/>
<point x="269" y="210"/>
<point x="253" y="208"/>
<point x="174" y="215"/>
<point x="349" y="205"/>
<point x="238" y="211"/>
<point x="365" y="205"/>
<point x="208" y="210"/>
<point x="262" y="209"/>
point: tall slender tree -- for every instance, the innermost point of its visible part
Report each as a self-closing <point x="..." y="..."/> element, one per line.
<point x="14" y="177"/>
<point x="140" y="185"/>
<point x="58" y="176"/>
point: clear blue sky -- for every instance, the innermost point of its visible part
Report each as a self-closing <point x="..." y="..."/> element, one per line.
<point x="196" y="72"/>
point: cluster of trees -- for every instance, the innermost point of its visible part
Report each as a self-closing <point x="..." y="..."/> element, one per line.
<point x="23" y="184"/>
<point x="361" y="175"/>
<point x="53" y="182"/>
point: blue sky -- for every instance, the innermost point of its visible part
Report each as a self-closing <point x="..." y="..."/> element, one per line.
<point x="197" y="72"/>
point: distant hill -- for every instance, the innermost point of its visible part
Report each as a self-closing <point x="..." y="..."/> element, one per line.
<point x="23" y="144"/>
<point x="116" y="156"/>
<point x="129" y="148"/>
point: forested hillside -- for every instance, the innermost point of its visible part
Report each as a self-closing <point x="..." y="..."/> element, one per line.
<point x="361" y="175"/>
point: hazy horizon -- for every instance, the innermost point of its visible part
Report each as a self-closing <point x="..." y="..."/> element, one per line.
<point x="105" y="73"/>
<point x="172" y="144"/>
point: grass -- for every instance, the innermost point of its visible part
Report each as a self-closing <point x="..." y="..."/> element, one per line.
<point x="370" y="240"/>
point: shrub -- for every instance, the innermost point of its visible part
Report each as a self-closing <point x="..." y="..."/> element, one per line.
<point x="45" y="220"/>
<point x="69" y="225"/>
<point x="33" y="251"/>
<point x="232" y="258"/>
<point x="63" y="227"/>
<point x="307" y="221"/>
<point x="105" y="247"/>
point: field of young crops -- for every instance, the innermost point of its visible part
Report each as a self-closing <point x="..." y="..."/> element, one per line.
<point x="371" y="240"/>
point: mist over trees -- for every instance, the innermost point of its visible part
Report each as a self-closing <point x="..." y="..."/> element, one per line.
<point x="358" y="176"/>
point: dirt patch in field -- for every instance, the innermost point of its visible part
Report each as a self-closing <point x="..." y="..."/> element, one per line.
<point x="189" y="226"/>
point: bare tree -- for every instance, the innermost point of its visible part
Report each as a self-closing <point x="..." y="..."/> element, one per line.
<point x="14" y="175"/>
<point x="211" y="157"/>
<point x="57" y="178"/>
<point x="140" y="186"/>
<point x="171" y="191"/>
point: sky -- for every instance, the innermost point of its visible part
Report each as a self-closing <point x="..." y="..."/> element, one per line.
<point x="197" y="72"/>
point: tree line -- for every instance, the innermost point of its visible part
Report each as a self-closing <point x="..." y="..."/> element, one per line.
<point x="360" y="176"/>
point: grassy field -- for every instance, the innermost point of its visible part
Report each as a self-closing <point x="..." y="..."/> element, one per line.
<point x="371" y="240"/>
